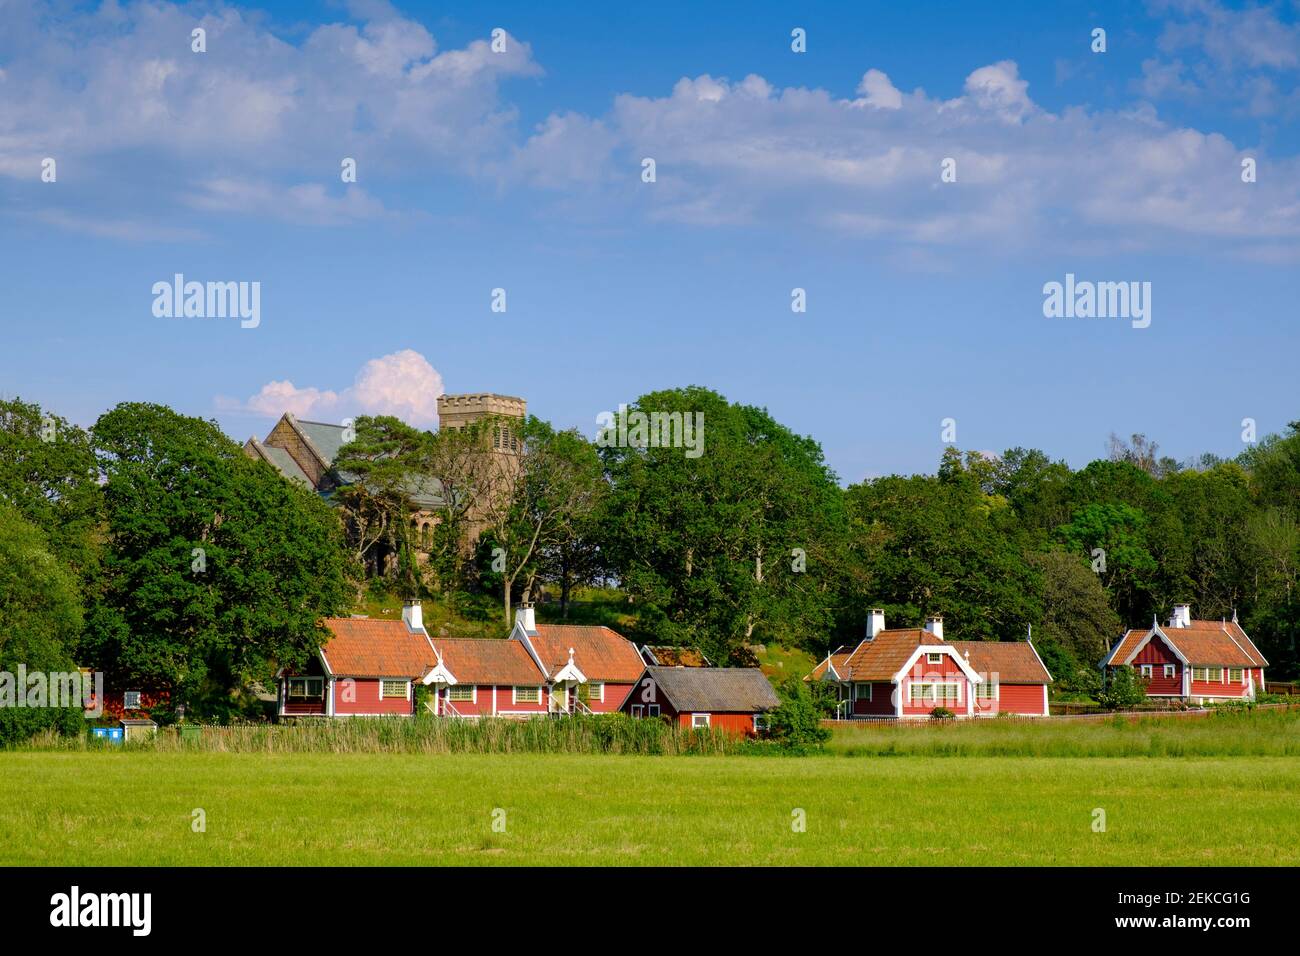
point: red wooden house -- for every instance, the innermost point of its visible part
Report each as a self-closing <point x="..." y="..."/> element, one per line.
<point x="371" y="668"/>
<point x="1192" y="660"/>
<point x="368" y="668"/>
<point x="910" y="672"/>
<point x="731" y="698"/>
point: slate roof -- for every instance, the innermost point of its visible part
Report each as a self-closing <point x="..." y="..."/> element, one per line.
<point x="1013" y="662"/>
<point x="600" y="653"/>
<point x="714" y="689"/>
<point x="366" y="647"/>
<point x="488" y="661"/>
<point x="280" y="459"/>
<point x="326" y="437"/>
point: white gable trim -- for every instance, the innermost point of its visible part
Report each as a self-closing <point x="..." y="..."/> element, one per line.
<point x="519" y="634"/>
<point x="947" y="649"/>
<point x="1147" y="640"/>
<point x="439" y="675"/>
<point x="1041" y="664"/>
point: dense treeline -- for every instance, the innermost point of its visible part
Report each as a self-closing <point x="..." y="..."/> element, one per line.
<point x="150" y="547"/>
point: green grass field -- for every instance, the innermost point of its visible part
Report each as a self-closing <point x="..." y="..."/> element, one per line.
<point x="135" y="807"/>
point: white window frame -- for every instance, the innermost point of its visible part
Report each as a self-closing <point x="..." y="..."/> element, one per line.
<point x="1241" y="675"/>
<point x="931" y="658"/>
<point x="1147" y="670"/>
<point x="514" y="695"/>
<point x="306" y="694"/>
<point x="695" y="721"/>
<point x="406" y="690"/>
<point x="652" y="710"/>
<point x="986" y="690"/>
<point x="473" y="694"/>
<point x="596" y="691"/>
<point x="933" y="698"/>
<point x="857" y="692"/>
<point x="1171" y="670"/>
<point x="638" y="710"/>
<point x="1215" y="675"/>
<point x="126" y="699"/>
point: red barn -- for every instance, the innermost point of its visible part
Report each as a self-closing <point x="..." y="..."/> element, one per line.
<point x="910" y="672"/>
<point x="731" y="698"/>
<point x="1192" y="660"/>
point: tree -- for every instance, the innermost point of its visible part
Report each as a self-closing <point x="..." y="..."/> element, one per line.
<point x="537" y="502"/>
<point x="39" y="608"/>
<point x="1113" y="536"/>
<point x="942" y="545"/>
<point x="1077" y="620"/>
<point x="379" y="473"/>
<point x="739" y="540"/>
<point x="217" y="571"/>
<point x="48" y="473"/>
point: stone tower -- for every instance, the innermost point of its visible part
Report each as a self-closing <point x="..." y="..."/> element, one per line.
<point x="457" y="411"/>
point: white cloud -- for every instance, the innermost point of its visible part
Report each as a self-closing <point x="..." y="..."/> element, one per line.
<point x="402" y="384"/>
<point x="877" y="91"/>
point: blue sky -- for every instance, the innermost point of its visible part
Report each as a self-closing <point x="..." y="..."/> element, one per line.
<point x="522" y="170"/>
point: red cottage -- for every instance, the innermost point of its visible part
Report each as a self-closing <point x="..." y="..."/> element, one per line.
<point x="367" y="668"/>
<point x="909" y="672"/>
<point x="1195" y="661"/>
<point x="588" y="669"/>
<point x="732" y="698"/>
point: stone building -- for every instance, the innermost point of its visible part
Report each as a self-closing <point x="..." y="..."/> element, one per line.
<point x="304" y="452"/>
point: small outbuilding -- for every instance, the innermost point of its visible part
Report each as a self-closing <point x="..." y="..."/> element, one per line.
<point x="733" y="699"/>
<point x="138" y="729"/>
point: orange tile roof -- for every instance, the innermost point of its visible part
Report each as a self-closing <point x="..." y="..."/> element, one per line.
<point x="1014" y="662"/>
<point x="601" y="654"/>
<point x="362" y="647"/>
<point x="1213" y="643"/>
<point x="488" y="661"/>
<point x="884" y="656"/>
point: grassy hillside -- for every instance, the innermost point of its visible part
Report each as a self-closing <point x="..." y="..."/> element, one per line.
<point x="343" y="810"/>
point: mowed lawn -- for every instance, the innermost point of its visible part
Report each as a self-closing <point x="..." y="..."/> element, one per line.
<point x="352" y="809"/>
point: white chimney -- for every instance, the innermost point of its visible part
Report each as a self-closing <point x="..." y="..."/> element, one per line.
<point x="934" y="624"/>
<point x="413" y="615"/>
<point x="524" y="616"/>
<point x="875" y="622"/>
<point x="1181" y="616"/>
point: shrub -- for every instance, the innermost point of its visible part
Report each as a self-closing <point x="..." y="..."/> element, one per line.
<point x="942" y="713"/>
<point x="797" y="722"/>
<point x="1124" y="690"/>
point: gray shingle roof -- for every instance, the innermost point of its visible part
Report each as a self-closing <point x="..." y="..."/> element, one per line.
<point x="327" y="438"/>
<point x="715" y="689"/>
<point x="286" y="465"/>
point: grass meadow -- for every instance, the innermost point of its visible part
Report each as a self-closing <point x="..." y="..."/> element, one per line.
<point x="1219" y="790"/>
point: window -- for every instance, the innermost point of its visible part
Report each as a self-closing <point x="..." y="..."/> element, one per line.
<point x="986" y="690"/>
<point x="131" y="700"/>
<point x="862" y="692"/>
<point x="934" y="658"/>
<point x="1171" y="670"/>
<point x="699" y="721"/>
<point x="1211" y="674"/>
<point x="301" y="688"/>
<point x="1234" y="675"/>
<point x="1216" y="675"/>
<point x="1147" y="671"/>
<point x="760" y="723"/>
<point x="393" y="688"/>
<point x="595" y="690"/>
<point x="527" y="695"/>
<point x="637" y="710"/>
<point x="463" y="692"/>
<point x="652" y="710"/>
<point x="923" y="692"/>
